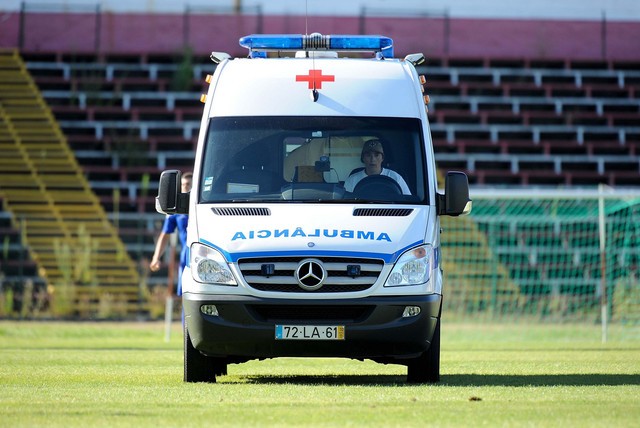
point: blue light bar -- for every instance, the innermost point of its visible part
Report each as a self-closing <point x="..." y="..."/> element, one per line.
<point x="383" y="46"/>
<point x="270" y="42"/>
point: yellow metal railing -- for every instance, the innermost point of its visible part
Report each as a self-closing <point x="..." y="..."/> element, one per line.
<point x="44" y="189"/>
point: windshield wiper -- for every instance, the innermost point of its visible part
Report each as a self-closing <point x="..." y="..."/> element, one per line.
<point x="368" y="201"/>
<point x="251" y="200"/>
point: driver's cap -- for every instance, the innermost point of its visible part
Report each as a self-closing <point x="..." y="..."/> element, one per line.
<point x="373" y="145"/>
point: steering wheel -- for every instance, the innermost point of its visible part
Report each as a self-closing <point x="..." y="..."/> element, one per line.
<point x="377" y="187"/>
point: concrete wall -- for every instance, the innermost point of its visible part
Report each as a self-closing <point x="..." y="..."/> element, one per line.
<point x="436" y="37"/>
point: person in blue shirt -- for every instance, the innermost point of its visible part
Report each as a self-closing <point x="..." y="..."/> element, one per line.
<point x="171" y="224"/>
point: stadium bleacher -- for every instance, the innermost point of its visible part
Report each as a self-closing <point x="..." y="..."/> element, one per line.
<point x="502" y="121"/>
<point x="557" y="123"/>
<point x="47" y="198"/>
<point x="125" y="123"/>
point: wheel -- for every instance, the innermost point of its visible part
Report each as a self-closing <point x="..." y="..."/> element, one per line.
<point x="426" y="367"/>
<point x="219" y="365"/>
<point x="377" y="187"/>
<point x="198" y="367"/>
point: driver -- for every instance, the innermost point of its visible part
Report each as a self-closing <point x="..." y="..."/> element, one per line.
<point x="372" y="157"/>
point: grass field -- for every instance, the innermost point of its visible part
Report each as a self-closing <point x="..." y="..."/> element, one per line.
<point x="124" y="374"/>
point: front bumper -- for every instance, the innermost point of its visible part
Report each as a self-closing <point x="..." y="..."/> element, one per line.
<point x="374" y="326"/>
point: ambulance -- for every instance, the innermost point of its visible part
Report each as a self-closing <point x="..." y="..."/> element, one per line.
<point x="314" y="216"/>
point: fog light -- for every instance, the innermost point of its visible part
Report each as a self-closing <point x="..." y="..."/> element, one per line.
<point x="411" y="311"/>
<point x="213" y="311"/>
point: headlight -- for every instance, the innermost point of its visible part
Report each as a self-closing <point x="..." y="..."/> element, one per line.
<point x="208" y="265"/>
<point x="412" y="268"/>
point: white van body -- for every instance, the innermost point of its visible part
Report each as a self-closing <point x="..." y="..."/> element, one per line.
<point x="284" y="261"/>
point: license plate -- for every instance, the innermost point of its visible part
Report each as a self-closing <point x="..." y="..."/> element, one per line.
<point x="309" y="332"/>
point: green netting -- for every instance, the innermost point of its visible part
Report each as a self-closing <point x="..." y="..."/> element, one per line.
<point x="532" y="258"/>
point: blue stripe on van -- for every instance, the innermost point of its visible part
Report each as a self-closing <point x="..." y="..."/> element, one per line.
<point x="234" y="257"/>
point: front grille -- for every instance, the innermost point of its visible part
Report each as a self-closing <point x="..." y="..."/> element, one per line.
<point x="337" y="280"/>
<point x="334" y="313"/>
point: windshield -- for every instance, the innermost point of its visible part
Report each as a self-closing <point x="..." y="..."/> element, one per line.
<point x="318" y="159"/>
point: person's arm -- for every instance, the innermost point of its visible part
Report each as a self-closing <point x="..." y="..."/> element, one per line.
<point x="352" y="180"/>
<point x="398" y="179"/>
<point x="160" y="246"/>
<point x="403" y="185"/>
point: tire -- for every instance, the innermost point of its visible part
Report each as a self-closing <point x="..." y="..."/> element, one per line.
<point x="219" y="365"/>
<point x="426" y="367"/>
<point x="198" y="367"/>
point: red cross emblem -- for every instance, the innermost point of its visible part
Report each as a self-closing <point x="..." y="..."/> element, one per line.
<point x="315" y="78"/>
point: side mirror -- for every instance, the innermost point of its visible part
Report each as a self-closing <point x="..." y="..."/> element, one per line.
<point x="455" y="200"/>
<point x="170" y="200"/>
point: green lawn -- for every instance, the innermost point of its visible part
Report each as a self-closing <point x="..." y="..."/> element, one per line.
<point x="112" y="374"/>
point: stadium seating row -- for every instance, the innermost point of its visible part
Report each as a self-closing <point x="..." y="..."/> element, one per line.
<point x="449" y="62"/>
<point x="442" y="111"/>
<point x="548" y="108"/>
<point x="495" y="101"/>
<point x="457" y="71"/>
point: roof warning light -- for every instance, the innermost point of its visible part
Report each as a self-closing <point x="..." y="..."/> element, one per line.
<point x="260" y="44"/>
